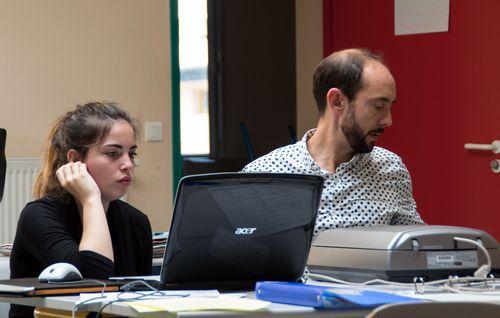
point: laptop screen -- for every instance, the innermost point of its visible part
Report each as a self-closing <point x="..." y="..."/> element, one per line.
<point x="241" y="227"/>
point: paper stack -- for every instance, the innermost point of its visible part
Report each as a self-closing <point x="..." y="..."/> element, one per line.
<point x="159" y="244"/>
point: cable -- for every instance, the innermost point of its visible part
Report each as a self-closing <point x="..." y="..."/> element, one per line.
<point x="373" y="281"/>
<point x="135" y="283"/>
<point x="452" y="284"/>
<point x="462" y="285"/>
<point x="77" y="305"/>
<point x="484" y="269"/>
<point x="370" y="282"/>
<point x="128" y="289"/>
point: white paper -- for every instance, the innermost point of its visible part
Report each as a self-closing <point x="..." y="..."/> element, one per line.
<point x="421" y="16"/>
<point x="198" y="303"/>
<point x="5" y="288"/>
<point x="457" y="297"/>
<point x="89" y="298"/>
<point x="146" y="278"/>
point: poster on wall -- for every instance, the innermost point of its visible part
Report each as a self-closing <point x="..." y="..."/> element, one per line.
<point x="422" y="16"/>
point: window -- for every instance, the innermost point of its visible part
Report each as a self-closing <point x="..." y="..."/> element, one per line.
<point x="193" y="65"/>
<point x="232" y="62"/>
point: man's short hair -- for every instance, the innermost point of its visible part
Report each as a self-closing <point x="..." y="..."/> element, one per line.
<point x="342" y="70"/>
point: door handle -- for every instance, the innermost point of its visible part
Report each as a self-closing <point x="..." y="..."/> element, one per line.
<point x="494" y="146"/>
<point x="495" y="165"/>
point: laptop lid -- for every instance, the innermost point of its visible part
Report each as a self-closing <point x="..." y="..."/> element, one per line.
<point x="241" y="227"/>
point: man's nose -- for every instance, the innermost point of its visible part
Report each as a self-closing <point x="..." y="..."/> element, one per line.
<point x="387" y="119"/>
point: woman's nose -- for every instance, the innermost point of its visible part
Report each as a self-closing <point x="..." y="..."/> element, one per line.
<point x="127" y="163"/>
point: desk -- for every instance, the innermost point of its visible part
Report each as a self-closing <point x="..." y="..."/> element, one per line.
<point x="57" y="302"/>
<point x="157" y="263"/>
<point x="4" y="274"/>
<point x="4" y="267"/>
<point x="274" y="310"/>
<point x="67" y="302"/>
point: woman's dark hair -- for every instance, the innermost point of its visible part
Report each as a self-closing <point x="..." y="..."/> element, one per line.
<point x="342" y="70"/>
<point x="79" y="129"/>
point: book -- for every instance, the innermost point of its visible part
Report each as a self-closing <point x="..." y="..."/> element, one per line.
<point x="159" y="244"/>
<point x="317" y="296"/>
<point x="32" y="287"/>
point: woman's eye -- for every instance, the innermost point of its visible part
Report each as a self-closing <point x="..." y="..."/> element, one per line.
<point x="112" y="154"/>
<point x="132" y="154"/>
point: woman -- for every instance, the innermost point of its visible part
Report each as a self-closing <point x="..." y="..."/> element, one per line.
<point x="77" y="217"/>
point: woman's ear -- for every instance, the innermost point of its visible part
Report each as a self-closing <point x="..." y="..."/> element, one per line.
<point x="73" y="156"/>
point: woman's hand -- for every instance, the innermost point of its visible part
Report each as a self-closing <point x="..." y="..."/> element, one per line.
<point x="75" y="179"/>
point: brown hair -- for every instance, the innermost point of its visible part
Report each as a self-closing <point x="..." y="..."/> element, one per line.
<point x="79" y="130"/>
<point x="342" y="70"/>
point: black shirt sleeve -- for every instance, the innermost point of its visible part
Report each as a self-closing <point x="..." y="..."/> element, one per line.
<point x="132" y="239"/>
<point x="48" y="233"/>
<point x="146" y="259"/>
<point x="148" y="255"/>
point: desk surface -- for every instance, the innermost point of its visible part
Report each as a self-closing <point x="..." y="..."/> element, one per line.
<point x="67" y="302"/>
<point x="4" y="267"/>
<point x="275" y="309"/>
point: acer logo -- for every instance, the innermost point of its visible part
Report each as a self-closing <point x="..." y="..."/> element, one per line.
<point x="245" y="230"/>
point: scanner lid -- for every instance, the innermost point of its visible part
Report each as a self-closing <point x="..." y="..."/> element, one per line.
<point x="403" y="237"/>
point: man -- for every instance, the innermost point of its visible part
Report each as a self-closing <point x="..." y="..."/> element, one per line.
<point x="364" y="185"/>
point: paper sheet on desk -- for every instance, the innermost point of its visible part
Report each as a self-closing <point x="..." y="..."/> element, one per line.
<point x="459" y="297"/>
<point x="435" y="293"/>
<point x="90" y="298"/>
<point x="432" y="293"/>
<point x="222" y="302"/>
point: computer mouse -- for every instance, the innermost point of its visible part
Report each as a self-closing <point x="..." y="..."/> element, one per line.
<point x="60" y="272"/>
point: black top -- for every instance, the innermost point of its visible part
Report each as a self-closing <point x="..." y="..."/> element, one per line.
<point x="50" y="231"/>
<point x="3" y="163"/>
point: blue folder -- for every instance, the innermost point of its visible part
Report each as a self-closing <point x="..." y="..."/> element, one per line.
<point x="324" y="296"/>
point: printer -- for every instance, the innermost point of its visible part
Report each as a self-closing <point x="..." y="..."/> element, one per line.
<point x="400" y="253"/>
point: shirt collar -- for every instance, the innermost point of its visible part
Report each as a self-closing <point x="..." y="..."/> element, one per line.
<point x="357" y="159"/>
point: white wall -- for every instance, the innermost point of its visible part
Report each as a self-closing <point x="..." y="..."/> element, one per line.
<point x="309" y="50"/>
<point x="57" y="53"/>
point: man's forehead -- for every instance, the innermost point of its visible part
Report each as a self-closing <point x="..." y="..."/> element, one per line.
<point x="374" y="70"/>
<point x="378" y="82"/>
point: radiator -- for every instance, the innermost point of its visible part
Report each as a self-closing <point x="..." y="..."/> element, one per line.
<point x="19" y="178"/>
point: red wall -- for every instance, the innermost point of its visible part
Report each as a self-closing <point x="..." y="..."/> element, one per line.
<point x="448" y="94"/>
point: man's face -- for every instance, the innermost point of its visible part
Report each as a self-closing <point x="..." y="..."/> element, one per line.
<point x="369" y="112"/>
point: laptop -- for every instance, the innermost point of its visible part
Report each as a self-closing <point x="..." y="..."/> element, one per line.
<point x="230" y="230"/>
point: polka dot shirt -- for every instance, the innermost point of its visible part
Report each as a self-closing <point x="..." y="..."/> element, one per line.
<point x="371" y="189"/>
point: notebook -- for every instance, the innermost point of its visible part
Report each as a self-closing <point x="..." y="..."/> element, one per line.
<point x="332" y="297"/>
<point x="230" y="230"/>
<point x="32" y="287"/>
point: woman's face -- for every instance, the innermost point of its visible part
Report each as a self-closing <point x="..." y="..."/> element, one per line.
<point x="111" y="161"/>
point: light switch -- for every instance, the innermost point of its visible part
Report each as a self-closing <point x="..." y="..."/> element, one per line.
<point x="154" y="131"/>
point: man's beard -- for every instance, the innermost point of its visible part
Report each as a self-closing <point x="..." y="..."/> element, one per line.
<point x="355" y="136"/>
